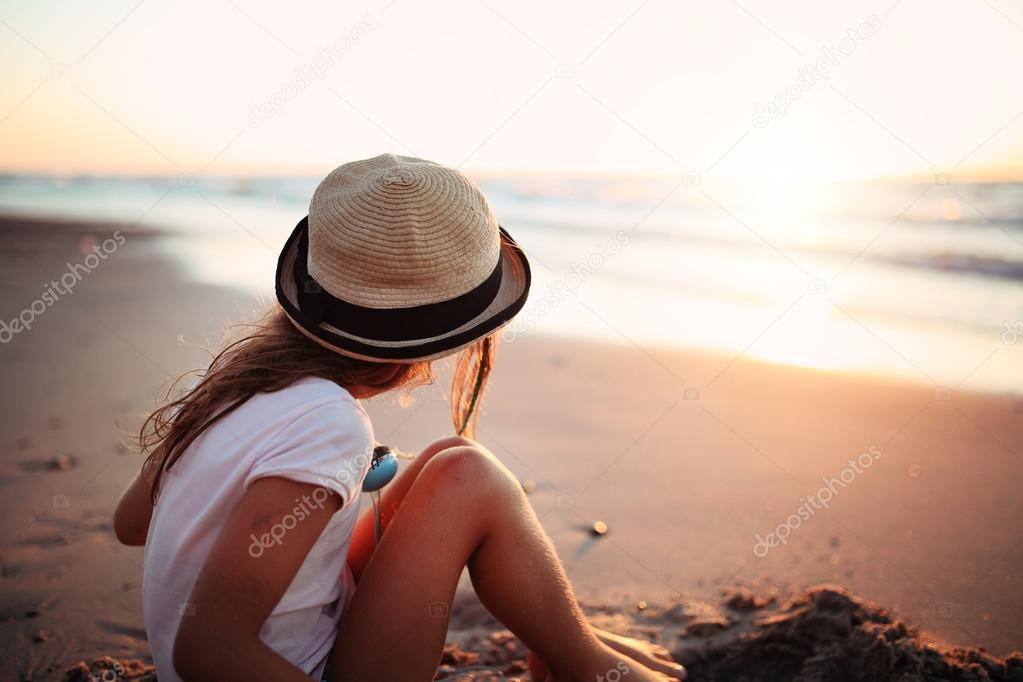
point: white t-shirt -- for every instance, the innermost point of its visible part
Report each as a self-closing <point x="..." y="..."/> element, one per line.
<point x="313" y="431"/>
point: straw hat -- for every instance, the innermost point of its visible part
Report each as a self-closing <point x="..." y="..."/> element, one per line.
<point x="400" y="260"/>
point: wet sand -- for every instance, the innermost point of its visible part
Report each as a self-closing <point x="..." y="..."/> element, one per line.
<point x="685" y="480"/>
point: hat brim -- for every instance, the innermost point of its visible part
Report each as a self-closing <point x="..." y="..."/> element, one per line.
<point x="511" y="296"/>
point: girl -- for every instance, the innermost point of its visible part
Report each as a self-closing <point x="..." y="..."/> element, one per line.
<point x="248" y="500"/>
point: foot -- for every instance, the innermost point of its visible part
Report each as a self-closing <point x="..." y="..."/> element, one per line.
<point x="653" y="656"/>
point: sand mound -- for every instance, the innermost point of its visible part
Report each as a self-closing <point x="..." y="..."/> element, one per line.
<point x="110" y="669"/>
<point x="821" y="635"/>
<point x="826" y="634"/>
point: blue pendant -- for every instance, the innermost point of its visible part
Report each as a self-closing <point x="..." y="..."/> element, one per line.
<point x="382" y="470"/>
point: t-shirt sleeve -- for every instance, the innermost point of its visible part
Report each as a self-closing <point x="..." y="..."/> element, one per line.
<point x="330" y="445"/>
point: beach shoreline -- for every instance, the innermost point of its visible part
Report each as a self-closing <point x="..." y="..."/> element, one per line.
<point x="689" y="457"/>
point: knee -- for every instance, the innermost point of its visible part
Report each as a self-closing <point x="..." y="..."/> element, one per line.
<point x="469" y="470"/>
<point x="439" y="446"/>
<point x="448" y="443"/>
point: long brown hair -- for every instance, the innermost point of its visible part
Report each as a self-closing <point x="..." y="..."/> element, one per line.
<point x="271" y="355"/>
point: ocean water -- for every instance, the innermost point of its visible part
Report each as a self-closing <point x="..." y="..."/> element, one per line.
<point x="918" y="280"/>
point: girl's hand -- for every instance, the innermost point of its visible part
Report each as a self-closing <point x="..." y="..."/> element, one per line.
<point x="653" y="656"/>
<point x="135" y="510"/>
<point x="237" y="589"/>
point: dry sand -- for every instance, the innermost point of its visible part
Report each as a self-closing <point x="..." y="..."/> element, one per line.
<point x="931" y="530"/>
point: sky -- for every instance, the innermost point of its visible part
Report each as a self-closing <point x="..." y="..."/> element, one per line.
<point x="751" y="90"/>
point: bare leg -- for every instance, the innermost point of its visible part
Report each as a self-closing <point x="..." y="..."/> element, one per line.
<point x="364" y="537"/>
<point x="465" y="508"/>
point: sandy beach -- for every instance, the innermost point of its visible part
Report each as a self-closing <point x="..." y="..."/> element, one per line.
<point x="698" y="463"/>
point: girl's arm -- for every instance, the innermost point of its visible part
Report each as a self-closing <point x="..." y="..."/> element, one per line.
<point x="250" y="566"/>
<point x="135" y="510"/>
